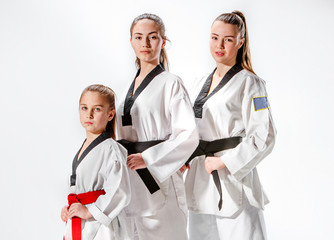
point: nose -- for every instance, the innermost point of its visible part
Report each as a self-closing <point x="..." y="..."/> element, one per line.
<point x="220" y="43"/>
<point x="91" y="114"/>
<point x="147" y="42"/>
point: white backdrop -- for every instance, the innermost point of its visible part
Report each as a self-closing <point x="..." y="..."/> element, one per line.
<point x="51" y="50"/>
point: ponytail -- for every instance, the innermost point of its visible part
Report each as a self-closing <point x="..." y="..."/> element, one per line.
<point x="238" y="19"/>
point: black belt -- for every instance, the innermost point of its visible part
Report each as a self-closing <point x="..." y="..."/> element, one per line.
<point x="144" y="174"/>
<point x="208" y="149"/>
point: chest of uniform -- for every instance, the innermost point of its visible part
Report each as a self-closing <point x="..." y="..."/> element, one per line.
<point x="227" y="100"/>
<point x="91" y="165"/>
<point x="153" y="101"/>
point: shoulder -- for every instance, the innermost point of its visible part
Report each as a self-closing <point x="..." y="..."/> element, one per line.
<point x="115" y="150"/>
<point x="170" y="78"/>
<point x="252" y="86"/>
<point x="250" y="81"/>
<point x="249" y="77"/>
<point x="173" y="84"/>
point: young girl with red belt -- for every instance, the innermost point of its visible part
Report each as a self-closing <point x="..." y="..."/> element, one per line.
<point x="99" y="184"/>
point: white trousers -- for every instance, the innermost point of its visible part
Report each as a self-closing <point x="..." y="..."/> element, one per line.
<point x="169" y="223"/>
<point x="246" y="224"/>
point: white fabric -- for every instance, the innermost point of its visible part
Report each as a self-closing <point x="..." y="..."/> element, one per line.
<point x="246" y="224"/>
<point x="169" y="222"/>
<point x="228" y="113"/>
<point x="161" y="112"/>
<point x="104" y="167"/>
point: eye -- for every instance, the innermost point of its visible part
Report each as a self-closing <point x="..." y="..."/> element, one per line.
<point x="228" y="40"/>
<point x="138" y="37"/>
<point x="154" y="37"/>
<point x="84" y="108"/>
<point x="214" y="38"/>
<point x="97" y="109"/>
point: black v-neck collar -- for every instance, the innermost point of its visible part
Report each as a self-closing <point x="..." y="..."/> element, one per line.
<point x="130" y="99"/>
<point x="203" y="95"/>
<point x="76" y="161"/>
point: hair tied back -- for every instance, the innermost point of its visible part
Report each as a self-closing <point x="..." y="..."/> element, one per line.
<point x="239" y="14"/>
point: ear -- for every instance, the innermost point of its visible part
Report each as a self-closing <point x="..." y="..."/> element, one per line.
<point x="163" y="43"/>
<point x="241" y="42"/>
<point x="111" y="115"/>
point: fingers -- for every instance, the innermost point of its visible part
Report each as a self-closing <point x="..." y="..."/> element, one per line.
<point x="133" y="156"/>
<point x="64" y="214"/>
<point x="131" y="161"/>
<point x="131" y="164"/>
<point x="184" y="168"/>
<point x="79" y="210"/>
<point x="208" y="167"/>
<point x="130" y="157"/>
<point x="213" y="163"/>
<point x="135" y="161"/>
<point x="74" y="210"/>
<point x="136" y="165"/>
<point x="132" y="167"/>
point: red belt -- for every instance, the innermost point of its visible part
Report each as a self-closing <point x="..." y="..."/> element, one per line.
<point x="83" y="198"/>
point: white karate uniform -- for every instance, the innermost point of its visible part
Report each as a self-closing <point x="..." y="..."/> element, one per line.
<point x="228" y="113"/>
<point x="161" y="112"/>
<point x="104" y="167"/>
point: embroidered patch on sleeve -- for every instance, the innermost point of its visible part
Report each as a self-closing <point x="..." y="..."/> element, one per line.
<point x="260" y="103"/>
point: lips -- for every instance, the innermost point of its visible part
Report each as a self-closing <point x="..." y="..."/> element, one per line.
<point x="219" y="54"/>
<point x="88" y="123"/>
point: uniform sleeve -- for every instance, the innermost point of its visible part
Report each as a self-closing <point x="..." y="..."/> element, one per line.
<point x="117" y="188"/>
<point x="166" y="158"/>
<point x="259" y="129"/>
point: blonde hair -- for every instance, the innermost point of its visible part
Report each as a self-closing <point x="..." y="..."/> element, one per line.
<point x="158" y="21"/>
<point x="109" y="95"/>
<point x="238" y="19"/>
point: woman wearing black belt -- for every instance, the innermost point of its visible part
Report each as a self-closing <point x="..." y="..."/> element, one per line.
<point x="224" y="193"/>
<point x="156" y="124"/>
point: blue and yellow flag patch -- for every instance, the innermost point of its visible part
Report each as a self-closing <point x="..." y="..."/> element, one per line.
<point x="260" y="103"/>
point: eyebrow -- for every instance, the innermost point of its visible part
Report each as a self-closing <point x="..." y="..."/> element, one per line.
<point x="148" y="33"/>
<point x="224" y="36"/>
<point x="98" y="105"/>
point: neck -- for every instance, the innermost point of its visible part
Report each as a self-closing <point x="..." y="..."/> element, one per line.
<point x="146" y="68"/>
<point x="91" y="137"/>
<point x="222" y="69"/>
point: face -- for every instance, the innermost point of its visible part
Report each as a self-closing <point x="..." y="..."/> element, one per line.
<point x="147" y="42"/>
<point x="225" y="43"/>
<point x="95" y="112"/>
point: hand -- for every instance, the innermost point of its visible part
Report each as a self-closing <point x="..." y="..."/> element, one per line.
<point x="64" y="214"/>
<point x="136" y="161"/>
<point x="213" y="163"/>
<point x="184" y="168"/>
<point x="79" y="210"/>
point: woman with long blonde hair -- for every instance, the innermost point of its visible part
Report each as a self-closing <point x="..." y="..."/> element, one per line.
<point x="224" y="194"/>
